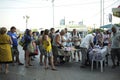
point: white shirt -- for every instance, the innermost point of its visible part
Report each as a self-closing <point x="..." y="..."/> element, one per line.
<point x="68" y="37"/>
<point x="86" y="41"/>
<point x="64" y="43"/>
<point x="106" y="38"/>
<point x="76" y="37"/>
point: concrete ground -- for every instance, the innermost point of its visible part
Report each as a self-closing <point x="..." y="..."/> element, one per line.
<point x="67" y="71"/>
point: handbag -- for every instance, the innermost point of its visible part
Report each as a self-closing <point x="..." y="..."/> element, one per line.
<point x="22" y="41"/>
<point x="32" y="48"/>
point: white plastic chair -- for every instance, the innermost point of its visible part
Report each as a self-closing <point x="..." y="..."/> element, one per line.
<point x="103" y="53"/>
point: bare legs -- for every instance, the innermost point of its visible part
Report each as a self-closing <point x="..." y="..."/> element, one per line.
<point x="0" y="67"/>
<point x="78" y="54"/>
<point x="41" y="58"/>
<point x="51" y="63"/>
<point x="27" y="59"/>
<point x="45" y="62"/>
<point x="6" y="68"/>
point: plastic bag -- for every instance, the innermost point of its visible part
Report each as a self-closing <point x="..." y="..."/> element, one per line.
<point x="32" y="48"/>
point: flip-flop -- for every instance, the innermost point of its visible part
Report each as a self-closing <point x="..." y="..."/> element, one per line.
<point x="46" y="68"/>
<point x="54" y="69"/>
<point x="26" y="66"/>
<point x="30" y="65"/>
<point x="6" y="72"/>
<point x="1" y="70"/>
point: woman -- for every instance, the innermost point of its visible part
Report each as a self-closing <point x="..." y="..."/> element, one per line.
<point x="106" y="38"/>
<point x="5" y="49"/>
<point x="41" y="49"/>
<point x="28" y="39"/>
<point x="48" y="48"/>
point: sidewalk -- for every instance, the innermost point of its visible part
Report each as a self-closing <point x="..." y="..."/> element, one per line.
<point x="67" y="71"/>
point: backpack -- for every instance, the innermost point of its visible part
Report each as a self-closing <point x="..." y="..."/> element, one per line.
<point x="22" y="41"/>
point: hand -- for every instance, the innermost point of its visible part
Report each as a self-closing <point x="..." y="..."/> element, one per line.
<point x="61" y="45"/>
<point x="75" y="40"/>
<point x="48" y="43"/>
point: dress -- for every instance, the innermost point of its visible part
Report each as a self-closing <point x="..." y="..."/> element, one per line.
<point x="5" y="49"/>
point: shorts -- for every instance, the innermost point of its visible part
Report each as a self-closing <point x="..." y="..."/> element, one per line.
<point x="15" y="51"/>
<point x="48" y="54"/>
<point x="42" y="51"/>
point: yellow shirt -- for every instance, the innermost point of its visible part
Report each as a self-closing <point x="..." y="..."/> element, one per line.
<point x="47" y="45"/>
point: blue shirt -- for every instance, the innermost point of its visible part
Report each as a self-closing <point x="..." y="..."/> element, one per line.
<point x="28" y="39"/>
<point x="14" y="38"/>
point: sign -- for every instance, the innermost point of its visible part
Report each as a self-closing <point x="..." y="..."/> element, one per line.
<point x="110" y="17"/>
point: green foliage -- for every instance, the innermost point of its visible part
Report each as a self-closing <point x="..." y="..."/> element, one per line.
<point x="117" y="25"/>
<point x="93" y="31"/>
<point x="35" y="30"/>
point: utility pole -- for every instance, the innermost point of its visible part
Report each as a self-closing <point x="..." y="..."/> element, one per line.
<point x="26" y="17"/>
<point x="52" y="1"/>
<point x="100" y="12"/>
<point x="94" y="27"/>
<point x="53" y="11"/>
<point x="103" y="12"/>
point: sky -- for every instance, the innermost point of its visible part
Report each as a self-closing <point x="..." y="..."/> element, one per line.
<point x="40" y="12"/>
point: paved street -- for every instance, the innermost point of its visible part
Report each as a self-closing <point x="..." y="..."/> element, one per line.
<point x="67" y="71"/>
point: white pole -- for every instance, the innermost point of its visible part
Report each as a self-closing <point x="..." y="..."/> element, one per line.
<point x="103" y="12"/>
<point x="53" y="11"/>
<point x="26" y="20"/>
<point x="100" y="12"/>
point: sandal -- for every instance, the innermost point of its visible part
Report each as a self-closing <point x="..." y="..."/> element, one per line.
<point x="30" y="65"/>
<point x="27" y="66"/>
<point x="6" y="71"/>
<point x="46" y="68"/>
<point x="41" y="63"/>
<point x="54" y="69"/>
<point x="1" y="70"/>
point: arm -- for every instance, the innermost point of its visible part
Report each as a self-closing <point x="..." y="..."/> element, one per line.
<point x="18" y="36"/>
<point x="57" y="40"/>
<point x="92" y="45"/>
<point x="46" y="38"/>
<point x="91" y="42"/>
<point x="11" y="41"/>
<point x="118" y="37"/>
<point x="63" y="40"/>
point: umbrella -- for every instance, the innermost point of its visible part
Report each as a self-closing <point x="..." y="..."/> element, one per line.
<point x="106" y="26"/>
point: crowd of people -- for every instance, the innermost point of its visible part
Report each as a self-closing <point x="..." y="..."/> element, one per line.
<point x="48" y="42"/>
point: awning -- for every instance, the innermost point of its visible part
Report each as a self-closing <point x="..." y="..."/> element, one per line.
<point x="106" y="26"/>
<point x="116" y="12"/>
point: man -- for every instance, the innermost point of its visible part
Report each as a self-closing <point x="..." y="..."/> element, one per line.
<point x="115" y="47"/>
<point x="67" y="35"/>
<point x="15" y="51"/>
<point x="76" y="42"/>
<point x="52" y="34"/>
<point x="57" y="43"/>
<point x="85" y="44"/>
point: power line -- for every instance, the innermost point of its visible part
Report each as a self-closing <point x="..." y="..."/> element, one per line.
<point x="111" y="4"/>
<point x="67" y="5"/>
<point x="105" y="8"/>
